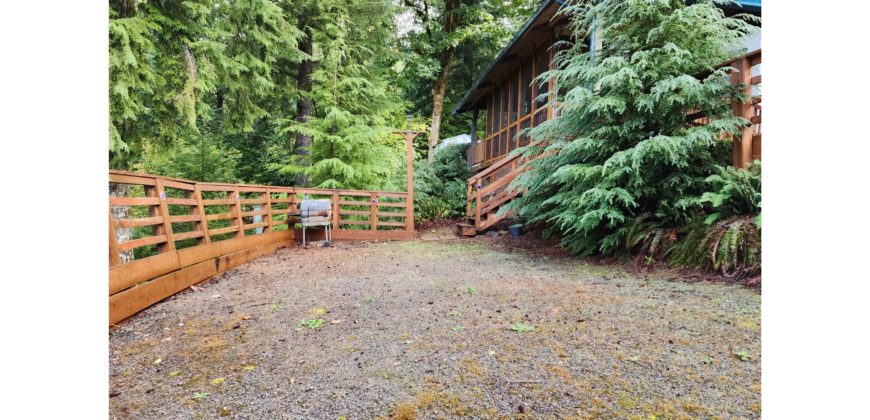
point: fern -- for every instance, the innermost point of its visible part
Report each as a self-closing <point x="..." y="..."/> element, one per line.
<point x="731" y="246"/>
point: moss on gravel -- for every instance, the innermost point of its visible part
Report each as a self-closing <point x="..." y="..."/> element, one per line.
<point x="607" y="343"/>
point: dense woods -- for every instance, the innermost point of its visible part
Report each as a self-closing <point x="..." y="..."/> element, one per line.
<point x="309" y="92"/>
<point x="293" y="92"/>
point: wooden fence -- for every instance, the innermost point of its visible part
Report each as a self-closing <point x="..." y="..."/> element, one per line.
<point x="184" y="232"/>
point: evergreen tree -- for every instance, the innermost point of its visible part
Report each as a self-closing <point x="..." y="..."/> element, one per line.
<point x="622" y="146"/>
<point x="355" y="109"/>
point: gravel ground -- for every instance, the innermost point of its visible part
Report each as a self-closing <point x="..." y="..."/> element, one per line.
<point x="424" y="329"/>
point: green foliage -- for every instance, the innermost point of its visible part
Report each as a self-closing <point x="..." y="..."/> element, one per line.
<point x="200" y="158"/>
<point x="175" y="67"/>
<point x="440" y="186"/>
<point x="735" y="192"/>
<point x="485" y="28"/>
<point x="311" y="324"/>
<point x="199" y="395"/>
<point x="521" y="328"/>
<point x="731" y="246"/>
<point x="470" y="290"/>
<point x="623" y="157"/>
<point x="355" y="109"/>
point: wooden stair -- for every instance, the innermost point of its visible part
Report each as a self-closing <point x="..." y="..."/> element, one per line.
<point x="487" y="193"/>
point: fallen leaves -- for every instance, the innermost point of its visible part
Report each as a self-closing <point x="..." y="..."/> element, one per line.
<point x="158" y="361"/>
<point x="199" y="395"/>
<point x="175" y="373"/>
<point x="217" y="381"/>
<point x="249" y="368"/>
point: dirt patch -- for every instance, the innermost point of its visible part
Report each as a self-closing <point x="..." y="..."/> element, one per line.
<point x="440" y="328"/>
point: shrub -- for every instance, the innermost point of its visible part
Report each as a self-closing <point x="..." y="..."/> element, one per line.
<point x="440" y="186"/>
<point x="725" y="238"/>
<point x="623" y="164"/>
<point x="731" y="246"/>
<point x="736" y="192"/>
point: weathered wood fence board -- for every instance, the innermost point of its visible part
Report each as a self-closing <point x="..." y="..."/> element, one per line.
<point x="195" y="230"/>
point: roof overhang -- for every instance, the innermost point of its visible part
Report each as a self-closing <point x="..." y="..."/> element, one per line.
<point x="478" y="90"/>
<point x="541" y="18"/>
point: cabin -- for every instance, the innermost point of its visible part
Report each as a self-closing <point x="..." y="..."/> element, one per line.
<point x="506" y="97"/>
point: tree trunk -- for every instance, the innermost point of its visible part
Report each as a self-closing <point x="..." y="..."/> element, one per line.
<point x="438" y="100"/>
<point x="122" y="212"/>
<point x="304" y="105"/>
<point x="450" y="21"/>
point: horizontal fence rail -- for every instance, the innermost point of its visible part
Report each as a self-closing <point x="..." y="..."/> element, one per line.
<point x="167" y="234"/>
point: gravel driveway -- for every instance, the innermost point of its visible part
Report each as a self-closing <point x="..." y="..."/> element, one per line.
<point x="440" y="329"/>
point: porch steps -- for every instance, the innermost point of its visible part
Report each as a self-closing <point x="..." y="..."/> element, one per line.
<point x="487" y="193"/>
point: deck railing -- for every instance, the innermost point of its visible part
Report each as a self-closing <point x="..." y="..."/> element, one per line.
<point x="182" y="232"/>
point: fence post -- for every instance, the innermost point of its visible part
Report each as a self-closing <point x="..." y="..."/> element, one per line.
<point x="161" y="210"/>
<point x="114" y="252"/>
<point x="373" y="216"/>
<point x="200" y="209"/>
<point x="409" y="199"/>
<point x="335" y="208"/>
<point x="238" y="197"/>
<point x="269" y="209"/>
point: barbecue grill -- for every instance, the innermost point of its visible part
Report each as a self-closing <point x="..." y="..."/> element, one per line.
<point x="315" y="213"/>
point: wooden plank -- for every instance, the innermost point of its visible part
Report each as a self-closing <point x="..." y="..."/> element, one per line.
<point x="236" y="259"/>
<point x="356" y="213"/>
<point x="163" y="210"/>
<point x="185" y="218"/>
<point x="269" y="210"/>
<point x="354" y="222"/>
<point x="238" y="211"/>
<point x="130" y="179"/>
<point x="373" y="217"/>
<point x="364" y="203"/>
<point x="137" y="243"/>
<point x="193" y="255"/>
<point x="335" y="209"/>
<point x="114" y="252"/>
<point x="129" y="274"/>
<point x="409" y="188"/>
<point x="134" y="201"/>
<point x="200" y="211"/>
<point x="146" y="221"/>
<point x="220" y="216"/>
<point x="168" y="183"/>
<point x="400" y="224"/>
<point x="219" y="231"/>
<point x="254" y="201"/>
<point x="124" y="304"/>
<point x="256" y="225"/>
<point x="386" y="204"/>
<point x="189" y="235"/>
<point x="216" y="187"/>
<point x="251" y="188"/>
